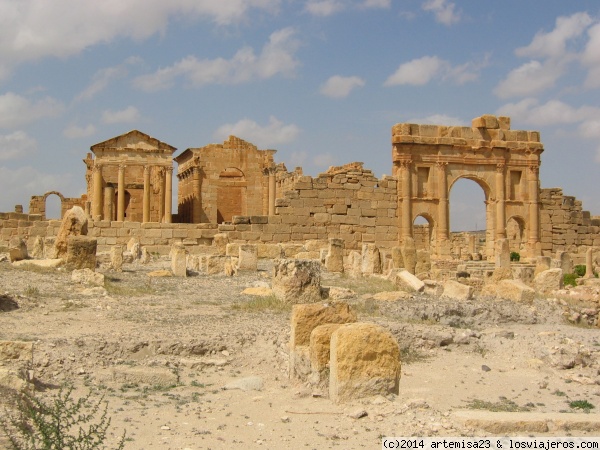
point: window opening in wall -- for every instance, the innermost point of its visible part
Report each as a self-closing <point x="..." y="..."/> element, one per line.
<point x="53" y="207"/>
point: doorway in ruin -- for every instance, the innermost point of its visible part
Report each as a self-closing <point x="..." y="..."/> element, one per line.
<point x="53" y="206"/>
<point x="424" y="233"/>
<point x="230" y="194"/>
<point x="515" y="232"/>
<point x="471" y="233"/>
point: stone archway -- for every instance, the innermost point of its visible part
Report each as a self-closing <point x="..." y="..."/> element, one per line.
<point x="424" y="232"/>
<point x="428" y="159"/>
<point x="37" y="204"/>
<point x="516" y="233"/>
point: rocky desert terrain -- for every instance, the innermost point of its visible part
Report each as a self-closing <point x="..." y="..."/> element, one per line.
<point x="192" y="363"/>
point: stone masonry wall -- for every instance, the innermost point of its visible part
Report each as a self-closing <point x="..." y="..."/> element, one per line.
<point x="564" y="225"/>
<point x="157" y="237"/>
<point x="346" y="202"/>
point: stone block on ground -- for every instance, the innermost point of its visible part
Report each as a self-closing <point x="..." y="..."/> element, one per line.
<point x="334" y="260"/>
<point x="81" y="253"/>
<point x="364" y="361"/>
<point x="215" y="264"/>
<point x="502" y="253"/>
<point x="179" y="260"/>
<point x="297" y="280"/>
<point x="74" y="223"/>
<point x="549" y="280"/>
<point x="423" y="262"/>
<point x="515" y="290"/>
<point x="16" y="350"/>
<point x="37" y="248"/>
<point x="406" y="281"/>
<point x="17" y="249"/>
<point x="320" y="338"/>
<point x="220" y="242"/>
<point x="371" y="259"/>
<point x="116" y="257"/>
<point x="305" y="318"/>
<point x="457" y="291"/>
<point x="247" y="257"/>
<point x="409" y="254"/>
<point x="87" y="276"/>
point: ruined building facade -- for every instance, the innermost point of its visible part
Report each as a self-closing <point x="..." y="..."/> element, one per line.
<point x="237" y="189"/>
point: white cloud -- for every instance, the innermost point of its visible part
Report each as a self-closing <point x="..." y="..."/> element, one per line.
<point x="591" y="57"/>
<point x="18" y="185"/>
<point x="16" y="110"/>
<point x="443" y="10"/>
<point x="553" y="44"/>
<point x="531" y="78"/>
<point x="340" y="87"/>
<point x="377" y="3"/>
<point x="440" y="119"/>
<point x="553" y="112"/>
<point x="297" y="159"/>
<point x="276" y="57"/>
<point x="324" y="8"/>
<point x="421" y="71"/>
<point x="274" y="133"/>
<point x="323" y="160"/>
<point x="127" y="115"/>
<point x="26" y="35"/>
<point x="103" y="77"/>
<point x="75" y="132"/>
<point x="16" y="145"/>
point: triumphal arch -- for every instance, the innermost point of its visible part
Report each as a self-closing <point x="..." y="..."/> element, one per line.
<point x="429" y="159"/>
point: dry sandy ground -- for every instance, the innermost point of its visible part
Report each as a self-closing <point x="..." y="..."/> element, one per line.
<point x="163" y="349"/>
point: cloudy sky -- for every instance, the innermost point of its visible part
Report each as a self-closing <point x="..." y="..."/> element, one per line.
<point x="321" y="81"/>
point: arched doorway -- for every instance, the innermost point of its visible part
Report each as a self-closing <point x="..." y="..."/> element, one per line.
<point x="470" y="230"/>
<point x="515" y="232"/>
<point x="53" y="206"/>
<point x="424" y="232"/>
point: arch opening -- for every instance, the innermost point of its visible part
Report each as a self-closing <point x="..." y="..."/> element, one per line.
<point x="53" y="206"/>
<point x="424" y="232"/>
<point x="471" y="230"/>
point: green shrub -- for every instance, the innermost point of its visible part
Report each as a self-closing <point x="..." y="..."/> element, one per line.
<point x="581" y="404"/>
<point x="58" y="422"/>
<point x="579" y="269"/>
<point x="569" y="279"/>
<point x="515" y="256"/>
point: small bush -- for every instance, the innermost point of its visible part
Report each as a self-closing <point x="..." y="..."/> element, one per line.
<point x="569" y="279"/>
<point x="579" y="269"/>
<point x="57" y="423"/>
<point x="581" y="404"/>
<point x="515" y="256"/>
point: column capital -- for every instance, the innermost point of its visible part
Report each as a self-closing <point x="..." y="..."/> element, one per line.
<point x="441" y="164"/>
<point x="500" y="167"/>
<point x="405" y="163"/>
<point x="147" y="169"/>
<point x="97" y="167"/>
<point x="534" y="169"/>
<point x="169" y="169"/>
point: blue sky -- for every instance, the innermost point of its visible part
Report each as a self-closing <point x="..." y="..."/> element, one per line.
<point x="321" y="81"/>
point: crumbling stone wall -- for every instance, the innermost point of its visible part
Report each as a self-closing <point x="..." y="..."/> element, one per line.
<point x="37" y="204"/>
<point x="565" y="225"/>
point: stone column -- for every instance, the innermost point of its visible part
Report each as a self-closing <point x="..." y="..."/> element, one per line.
<point x="98" y="198"/>
<point x="406" y="181"/>
<point x="109" y="202"/>
<point x="196" y="189"/>
<point x="121" y="194"/>
<point x="169" y="195"/>
<point x="146" y="202"/>
<point x="443" y="225"/>
<point x="272" y="188"/>
<point x="534" y="208"/>
<point x="489" y="230"/>
<point x="500" y="202"/>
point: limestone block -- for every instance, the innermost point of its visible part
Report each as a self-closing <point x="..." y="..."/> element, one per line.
<point x="371" y="259"/>
<point x="220" y="241"/>
<point x="542" y="263"/>
<point x="17" y="249"/>
<point x="391" y="296"/>
<point x="116" y="257"/>
<point x="179" y="261"/>
<point x="215" y="264"/>
<point x="525" y="274"/>
<point x="457" y="291"/>
<point x="248" y="257"/>
<point x="320" y="338"/>
<point x="270" y="251"/>
<point x="81" y="252"/>
<point x="423" y="262"/>
<point x="406" y="281"/>
<point x="397" y="260"/>
<point x="305" y="318"/>
<point x="16" y="350"/>
<point x="549" y="280"/>
<point x="297" y="281"/>
<point x="37" y="249"/>
<point x="334" y="260"/>
<point x="409" y="254"/>
<point x="87" y="276"/>
<point x="74" y="223"/>
<point x="502" y="253"/>
<point x="49" y="247"/>
<point x="515" y="290"/>
<point x="364" y="361"/>
<point x="46" y="263"/>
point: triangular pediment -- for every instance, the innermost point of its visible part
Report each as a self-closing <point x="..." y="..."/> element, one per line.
<point x="134" y="141"/>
